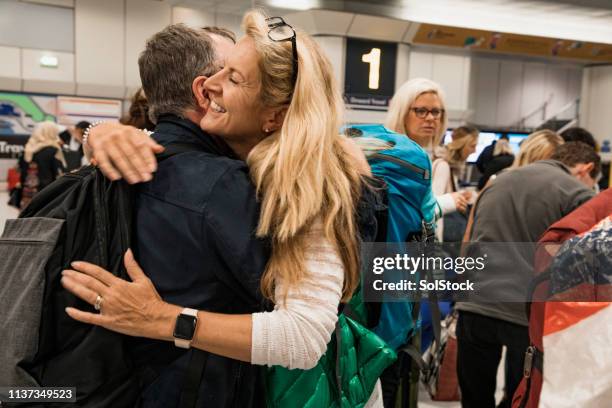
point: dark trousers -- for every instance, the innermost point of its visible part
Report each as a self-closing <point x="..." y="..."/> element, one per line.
<point x="480" y="340"/>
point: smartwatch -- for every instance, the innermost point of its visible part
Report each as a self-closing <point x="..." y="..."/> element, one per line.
<point x="185" y="327"/>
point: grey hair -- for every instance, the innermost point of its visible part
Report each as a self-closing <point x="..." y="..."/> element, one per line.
<point x="172" y="59"/>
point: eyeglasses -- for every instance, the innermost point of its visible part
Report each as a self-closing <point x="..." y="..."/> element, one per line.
<point x="422" y="113"/>
<point x="281" y="31"/>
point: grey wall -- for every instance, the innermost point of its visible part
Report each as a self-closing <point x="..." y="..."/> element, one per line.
<point x="36" y="26"/>
<point x="505" y="90"/>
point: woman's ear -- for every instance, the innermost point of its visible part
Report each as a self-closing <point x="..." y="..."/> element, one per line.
<point x="274" y="119"/>
<point x="200" y="93"/>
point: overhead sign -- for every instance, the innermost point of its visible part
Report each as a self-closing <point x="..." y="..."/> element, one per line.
<point x="369" y="76"/>
<point x="480" y="40"/>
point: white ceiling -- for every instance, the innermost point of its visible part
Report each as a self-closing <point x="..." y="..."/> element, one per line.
<point x="584" y="20"/>
<point x="539" y="18"/>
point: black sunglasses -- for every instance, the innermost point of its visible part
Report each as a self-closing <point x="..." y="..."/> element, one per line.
<point x="278" y="31"/>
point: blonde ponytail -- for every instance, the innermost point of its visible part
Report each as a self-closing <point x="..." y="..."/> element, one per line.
<point x="302" y="172"/>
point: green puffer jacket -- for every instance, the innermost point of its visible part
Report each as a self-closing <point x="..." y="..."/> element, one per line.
<point x="345" y="375"/>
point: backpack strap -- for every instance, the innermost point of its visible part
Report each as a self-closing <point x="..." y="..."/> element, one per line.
<point x="193" y="378"/>
<point x="470" y="224"/>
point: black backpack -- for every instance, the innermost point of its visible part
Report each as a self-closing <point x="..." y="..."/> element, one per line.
<point x="81" y="216"/>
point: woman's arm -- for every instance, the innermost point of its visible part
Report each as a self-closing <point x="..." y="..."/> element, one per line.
<point x="294" y="335"/>
<point x="448" y="201"/>
<point x="122" y="151"/>
<point x="136" y="309"/>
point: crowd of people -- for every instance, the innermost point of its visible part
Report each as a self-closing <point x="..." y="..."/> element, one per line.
<point x="250" y="236"/>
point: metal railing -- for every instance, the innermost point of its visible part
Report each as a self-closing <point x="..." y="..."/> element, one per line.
<point x="573" y="107"/>
<point x="540" y="109"/>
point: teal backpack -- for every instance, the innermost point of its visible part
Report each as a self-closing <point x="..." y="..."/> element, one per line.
<point x="405" y="169"/>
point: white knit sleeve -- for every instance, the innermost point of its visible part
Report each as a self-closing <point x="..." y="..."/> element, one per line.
<point x="446" y="203"/>
<point x="295" y="334"/>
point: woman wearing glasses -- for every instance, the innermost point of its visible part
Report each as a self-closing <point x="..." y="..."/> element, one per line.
<point x="276" y="104"/>
<point x="418" y="111"/>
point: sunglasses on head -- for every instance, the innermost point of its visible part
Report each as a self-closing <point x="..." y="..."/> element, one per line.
<point x="279" y="31"/>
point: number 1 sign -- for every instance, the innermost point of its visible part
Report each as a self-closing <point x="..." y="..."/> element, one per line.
<point x="369" y="72"/>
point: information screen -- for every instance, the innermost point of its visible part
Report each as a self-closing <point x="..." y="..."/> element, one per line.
<point x="515" y="140"/>
<point x="484" y="140"/>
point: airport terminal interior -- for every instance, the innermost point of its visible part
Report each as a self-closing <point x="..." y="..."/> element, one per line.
<point x="321" y="127"/>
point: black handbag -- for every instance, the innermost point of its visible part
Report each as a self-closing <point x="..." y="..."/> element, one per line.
<point x="15" y="197"/>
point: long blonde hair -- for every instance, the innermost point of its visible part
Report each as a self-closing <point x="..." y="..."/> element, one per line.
<point x="45" y="134"/>
<point x="502" y="147"/>
<point x="403" y="100"/>
<point x="462" y="136"/>
<point x="539" y="145"/>
<point x="302" y="172"/>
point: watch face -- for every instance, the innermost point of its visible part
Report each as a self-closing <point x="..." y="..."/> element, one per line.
<point x="185" y="327"/>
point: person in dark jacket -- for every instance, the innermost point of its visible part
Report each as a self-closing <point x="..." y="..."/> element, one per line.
<point x="194" y="221"/>
<point x="487" y="155"/>
<point x="72" y="140"/>
<point x="42" y="161"/>
<point x="502" y="158"/>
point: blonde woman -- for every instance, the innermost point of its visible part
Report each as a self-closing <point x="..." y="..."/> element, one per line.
<point x="539" y="145"/>
<point x="277" y="105"/>
<point x="447" y="169"/>
<point x="42" y="161"/>
<point x="418" y="111"/>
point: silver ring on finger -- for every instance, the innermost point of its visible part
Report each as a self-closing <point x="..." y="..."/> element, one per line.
<point x="98" y="302"/>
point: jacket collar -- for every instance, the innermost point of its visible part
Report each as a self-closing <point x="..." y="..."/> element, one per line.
<point x="171" y="128"/>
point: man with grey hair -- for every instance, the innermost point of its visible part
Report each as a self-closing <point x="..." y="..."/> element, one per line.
<point x="194" y="224"/>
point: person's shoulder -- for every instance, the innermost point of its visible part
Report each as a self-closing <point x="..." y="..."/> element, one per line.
<point x="440" y="163"/>
<point x="194" y="179"/>
<point x="196" y="161"/>
<point x="49" y="150"/>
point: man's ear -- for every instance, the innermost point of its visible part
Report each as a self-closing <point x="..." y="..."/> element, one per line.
<point x="588" y="167"/>
<point x="200" y="93"/>
<point x="274" y="120"/>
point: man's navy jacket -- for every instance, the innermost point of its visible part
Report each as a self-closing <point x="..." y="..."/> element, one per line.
<point x="195" y="239"/>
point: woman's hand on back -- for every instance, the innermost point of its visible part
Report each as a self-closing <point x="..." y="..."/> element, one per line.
<point x="132" y="308"/>
<point x="123" y="152"/>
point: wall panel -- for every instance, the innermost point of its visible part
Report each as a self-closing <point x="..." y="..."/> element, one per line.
<point x="420" y="65"/>
<point x="485" y="90"/>
<point x="100" y="43"/>
<point x="27" y="25"/>
<point x="509" y="96"/>
<point x="143" y="19"/>
<point x="534" y="92"/>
